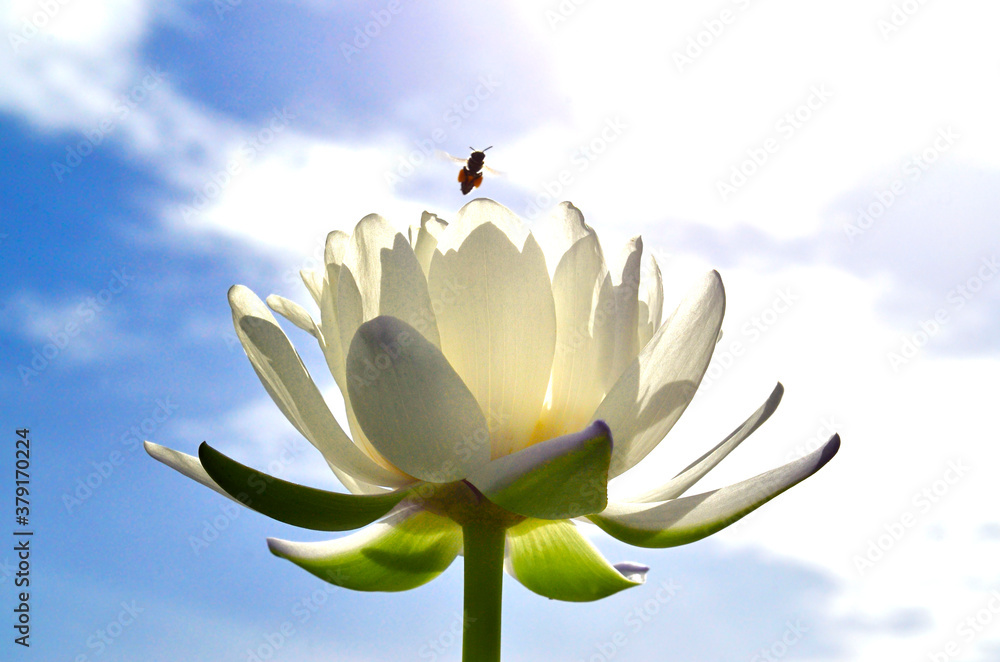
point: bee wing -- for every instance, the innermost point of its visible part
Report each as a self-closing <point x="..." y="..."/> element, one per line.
<point x="448" y="157"/>
<point x="490" y="170"/>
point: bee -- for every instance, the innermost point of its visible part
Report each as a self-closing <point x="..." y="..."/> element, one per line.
<point x="471" y="175"/>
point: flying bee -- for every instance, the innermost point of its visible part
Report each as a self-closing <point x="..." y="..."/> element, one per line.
<point x="471" y="175"/>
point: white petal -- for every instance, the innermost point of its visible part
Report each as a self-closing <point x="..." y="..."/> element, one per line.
<point x="294" y="313"/>
<point x="426" y="240"/>
<point x="287" y="381"/>
<point x="336" y="245"/>
<point x="355" y="486"/>
<point x="584" y="326"/>
<point x="413" y="407"/>
<point x="691" y="518"/>
<point x="657" y="387"/>
<point x="697" y="469"/>
<point x="650" y="299"/>
<point x="183" y="463"/>
<point x="381" y="276"/>
<point x="497" y="320"/>
<point x="626" y="320"/>
<point x="558" y="231"/>
<point x="314" y="283"/>
<point x="480" y="212"/>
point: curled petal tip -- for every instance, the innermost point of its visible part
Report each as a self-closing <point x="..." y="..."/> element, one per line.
<point x="829" y="450"/>
<point x="600" y="428"/>
<point x="283" y="549"/>
<point x="632" y="571"/>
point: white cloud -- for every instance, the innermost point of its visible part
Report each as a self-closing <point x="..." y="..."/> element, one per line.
<point x="65" y="60"/>
<point x="289" y="192"/>
<point x="687" y="129"/>
<point x="79" y="329"/>
<point x="79" y="75"/>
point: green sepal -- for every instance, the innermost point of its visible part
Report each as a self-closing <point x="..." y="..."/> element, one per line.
<point x="404" y="551"/>
<point x="294" y="504"/>
<point x="556" y="479"/>
<point x="555" y="560"/>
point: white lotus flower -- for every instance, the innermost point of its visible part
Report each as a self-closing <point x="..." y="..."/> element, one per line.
<point x="485" y="375"/>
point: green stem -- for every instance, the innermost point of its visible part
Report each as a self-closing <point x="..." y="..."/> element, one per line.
<point x="484" y="548"/>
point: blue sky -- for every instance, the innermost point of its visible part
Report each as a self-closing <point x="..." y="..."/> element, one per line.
<point x="842" y="157"/>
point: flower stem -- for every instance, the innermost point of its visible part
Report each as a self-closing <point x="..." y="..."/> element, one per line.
<point x="484" y="550"/>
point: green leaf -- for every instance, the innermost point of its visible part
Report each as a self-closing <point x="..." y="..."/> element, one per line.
<point x="553" y="559"/>
<point x="406" y="550"/>
<point x="685" y="520"/>
<point x="555" y="479"/>
<point x="294" y="504"/>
